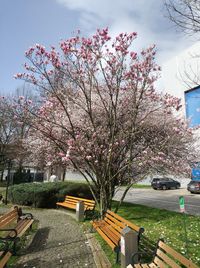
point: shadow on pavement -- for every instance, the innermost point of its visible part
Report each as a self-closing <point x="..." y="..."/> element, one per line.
<point x="39" y="241"/>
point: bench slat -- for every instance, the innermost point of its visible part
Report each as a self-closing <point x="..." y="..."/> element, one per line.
<point x="5" y="259"/>
<point x="71" y="201"/>
<point x="130" y="224"/>
<point x="8" y="218"/>
<point x="160" y="263"/>
<point x="152" y="265"/>
<point x="117" y="228"/>
<point x="81" y="199"/>
<point x="115" y="221"/>
<point x="8" y="213"/>
<point x="110" y="233"/>
<point x="167" y="259"/>
<point x="102" y="224"/>
<point x="109" y="242"/>
<point x="23" y="225"/>
<point x="177" y="255"/>
<point x="112" y="226"/>
<point x="137" y="266"/>
<point x="72" y="206"/>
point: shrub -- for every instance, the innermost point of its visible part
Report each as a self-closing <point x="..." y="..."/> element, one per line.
<point x="45" y="195"/>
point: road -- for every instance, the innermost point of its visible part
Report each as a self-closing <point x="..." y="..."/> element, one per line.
<point x="168" y="199"/>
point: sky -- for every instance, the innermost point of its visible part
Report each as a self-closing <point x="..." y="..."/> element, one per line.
<point x="26" y="22"/>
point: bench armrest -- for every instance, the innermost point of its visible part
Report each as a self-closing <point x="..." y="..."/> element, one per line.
<point x="8" y="230"/>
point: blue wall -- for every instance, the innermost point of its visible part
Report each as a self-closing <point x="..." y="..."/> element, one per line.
<point x="192" y="101"/>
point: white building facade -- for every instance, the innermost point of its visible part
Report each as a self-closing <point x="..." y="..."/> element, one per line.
<point x="181" y="78"/>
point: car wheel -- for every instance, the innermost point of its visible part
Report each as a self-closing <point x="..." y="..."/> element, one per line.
<point x="155" y="188"/>
<point x="164" y="187"/>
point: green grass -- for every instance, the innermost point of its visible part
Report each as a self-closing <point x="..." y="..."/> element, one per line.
<point x="160" y="223"/>
<point x="142" y="186"/>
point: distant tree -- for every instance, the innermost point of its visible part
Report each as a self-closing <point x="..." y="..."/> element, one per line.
<point x="101" y="113"/>
<point x="185" y="14"/>
<point x="7" y="129"/>
<point x="13" y="133"/>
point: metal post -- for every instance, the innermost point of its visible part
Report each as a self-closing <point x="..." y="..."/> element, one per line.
<point x="8" y="181"/>
<point x="185" y="232"/>
<point x="80" y="211"/>
<point x="129" y="246"/>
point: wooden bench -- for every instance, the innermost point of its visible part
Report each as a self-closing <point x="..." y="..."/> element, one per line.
<point x="71" y="201"/>
<point x="110" y="228"/>
<point x="165" y="256"/>
<point x="14" y="224"/>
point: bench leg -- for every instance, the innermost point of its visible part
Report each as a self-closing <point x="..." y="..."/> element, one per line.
<point x="117" y="256"/>
<point x="15" y="245"/>
<point x="14" y="248"/>
<point x="92" y="230"/>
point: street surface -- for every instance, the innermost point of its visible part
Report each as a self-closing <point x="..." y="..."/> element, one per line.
<point x="168" y="199"/>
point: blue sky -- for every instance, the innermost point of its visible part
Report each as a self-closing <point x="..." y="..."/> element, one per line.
<point x="26" y="22"/>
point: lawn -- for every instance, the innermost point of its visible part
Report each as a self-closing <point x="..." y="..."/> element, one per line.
<point x="159" y="223"/>
<point x="142" y="186"/>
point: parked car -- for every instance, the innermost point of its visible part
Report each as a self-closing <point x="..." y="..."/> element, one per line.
<point x="194" y="187"/>
<point x="165" y="183"/>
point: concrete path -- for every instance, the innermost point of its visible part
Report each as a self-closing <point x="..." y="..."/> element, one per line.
<point x="59" y="242"/>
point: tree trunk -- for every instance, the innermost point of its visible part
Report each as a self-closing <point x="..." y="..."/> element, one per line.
<point x="122" y="198"/>
<point x="63" y="175"/>
<point x="2" y="173"/>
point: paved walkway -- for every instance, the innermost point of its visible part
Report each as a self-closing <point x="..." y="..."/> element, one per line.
<point x="168" y="199"/>
<point x="59" y="242"/>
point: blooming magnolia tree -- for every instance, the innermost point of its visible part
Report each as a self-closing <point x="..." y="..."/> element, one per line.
<point x="101" y="114"/>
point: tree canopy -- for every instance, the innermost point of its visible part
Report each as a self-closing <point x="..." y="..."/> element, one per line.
<point x="101" y="114"/>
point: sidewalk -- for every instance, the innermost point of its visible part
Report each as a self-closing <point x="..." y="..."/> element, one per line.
<point x="58" y="242"/>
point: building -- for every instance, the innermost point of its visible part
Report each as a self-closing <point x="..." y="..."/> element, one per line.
<point x="181" y="78"/>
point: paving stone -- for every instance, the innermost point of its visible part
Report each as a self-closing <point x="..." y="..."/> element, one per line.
<point x="58" y="242"/>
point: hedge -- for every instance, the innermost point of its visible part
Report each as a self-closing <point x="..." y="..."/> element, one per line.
<point x="45" y="195"/>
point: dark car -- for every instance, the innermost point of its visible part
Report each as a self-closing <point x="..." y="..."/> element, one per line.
<point x="165" y="183"/>
<point x="194" y="187"/>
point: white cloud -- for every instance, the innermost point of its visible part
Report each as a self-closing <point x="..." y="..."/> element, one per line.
<point x="145" y="17"/>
